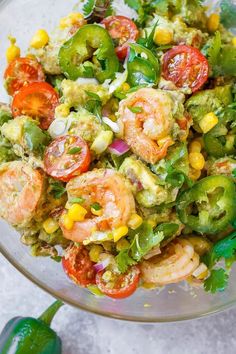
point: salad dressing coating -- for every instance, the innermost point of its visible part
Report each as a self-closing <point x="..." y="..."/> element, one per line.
<point x="118" y="146"/>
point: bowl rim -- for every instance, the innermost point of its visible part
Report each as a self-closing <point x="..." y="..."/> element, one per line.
<point x="111" y="315"/>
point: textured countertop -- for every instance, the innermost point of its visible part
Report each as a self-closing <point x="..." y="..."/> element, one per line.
<point x="83" y="333"/>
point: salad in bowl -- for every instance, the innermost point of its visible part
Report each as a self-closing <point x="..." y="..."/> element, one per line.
<point x="117" y="146"/>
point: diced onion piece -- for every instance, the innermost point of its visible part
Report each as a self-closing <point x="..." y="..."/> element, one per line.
<point x="118" y="82"/>
<point x="118" y="147"/>
<point x="102" y="265"/>
<point x="58" y="128"/>
<point x="200" y="270"/>
<point x="113" y="125"/>
<point x="87" y="81"/>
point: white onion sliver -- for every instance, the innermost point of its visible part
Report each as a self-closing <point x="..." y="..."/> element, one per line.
<point x="113" y="125"/>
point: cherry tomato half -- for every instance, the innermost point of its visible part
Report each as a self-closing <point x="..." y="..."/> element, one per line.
<point x="186" y="66"/>
<point x="124" y="284"/>
<point x="37" y="100"/>
<point x="20" y="72"/>
<point x="78" y="266"/>
<point x="67" y="157"/>
<point x="123" y="30"/>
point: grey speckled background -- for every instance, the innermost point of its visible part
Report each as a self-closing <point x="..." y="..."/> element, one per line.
<point x="84" y="333"/>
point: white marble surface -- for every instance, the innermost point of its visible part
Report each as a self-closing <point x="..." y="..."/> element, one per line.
<point x="84" y="333"/>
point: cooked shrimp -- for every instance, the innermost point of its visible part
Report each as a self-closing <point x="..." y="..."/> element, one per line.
<point x="177" y="263"/>
<point x="110" y="190"/>
<point x="146" y="122"/>
<point x="21" y="189"/>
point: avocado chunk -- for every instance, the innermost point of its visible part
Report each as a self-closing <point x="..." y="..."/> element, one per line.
<point x="75" y="94"/>
<point x="207" y="101"/>
<point x="148" y="188"/>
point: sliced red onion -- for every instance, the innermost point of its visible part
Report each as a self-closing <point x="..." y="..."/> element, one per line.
<point x="102" y="265"/>
<point x="118" y="147"/>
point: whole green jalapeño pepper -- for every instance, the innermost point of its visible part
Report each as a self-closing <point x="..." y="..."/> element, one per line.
<point x="143" y="66"/>
<point x="209" y="206"/>
<point x="221" y="140"/>
<point x="27" y="335"/>
<point x="89" y="53"/>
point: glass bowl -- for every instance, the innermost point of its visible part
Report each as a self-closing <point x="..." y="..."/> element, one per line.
<point x="174" y="303"/>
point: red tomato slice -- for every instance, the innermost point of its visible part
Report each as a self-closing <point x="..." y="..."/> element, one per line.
<point x="37" y="100"/>
<point x="67" y="157"/>
<point x="22" y="71"/>
<point x="124" y="284"/>
<point x="124" y="30"/>
<point x="186" y="66"/>
<point x="78" y="266"/>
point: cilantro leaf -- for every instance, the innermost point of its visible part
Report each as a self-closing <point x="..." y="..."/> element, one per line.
<point x="213" y="50"/>
<point x="134" y="4"/>
<point x="96" y="206"/>
<point x="222" y="58"/>
<point x="228" y="13"/>
<point x="144" y="239"/>
<point x="74" y="150"/>
<point x="78" y="200"/>
<point x="124" y="261"/>
<point x="5" y="116"/>
<point x="148" y="40"/>
<point x="57" y="189"/>
<point x="93" y="96"/>
<point x="225" y="248"/>
<point x="6" y="151"/>
<point x="136" y="109"/>
<point x="217" y="281"/>
<point x="88" y="7"/>
<point x="234" y="173"/>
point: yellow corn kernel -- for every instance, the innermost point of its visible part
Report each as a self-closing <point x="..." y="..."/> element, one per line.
<point x="12" y="51"/>
<point x="72" y="19"/>
<point x="63" y="110"/>
<point x="67" y="222"/>
<point x="194" y="174"/>
<point x="149" y="286"/>
<point x="122" y="244"/>
<point x="96" y="212"/>
<point x="162" y="141"/>
<point x="163" y="36"/>
<point x="135" y="221"/>
<point x="77" y="212"/>
<point x="196" y="160"/>
<point x="195" y="146"/>
<point x="208" y="122"/>
<point x="107" y="276"/>
<point x="50" y="226"/>
<point x="234" y="41"/>
<point x="120" y="232"/>
<point x="40" y="39"/>
<point x="95" y="252"/>
<point x="213" y="22"/>
<point x="125" y="87"/>
<point x="31" y="56"/>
